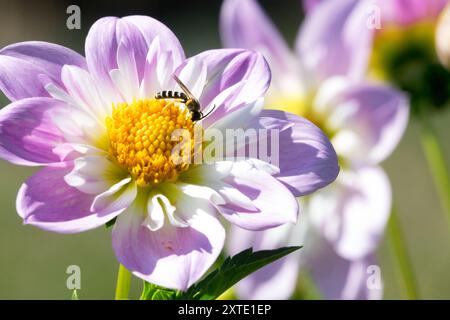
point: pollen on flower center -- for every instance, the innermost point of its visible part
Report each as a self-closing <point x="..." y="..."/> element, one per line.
<point x="140" y="136"/>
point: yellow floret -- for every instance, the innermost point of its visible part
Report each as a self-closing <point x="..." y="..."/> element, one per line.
<point x="140" y="136"/>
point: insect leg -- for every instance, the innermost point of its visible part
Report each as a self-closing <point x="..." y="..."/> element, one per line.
<point x="204" y="116"/>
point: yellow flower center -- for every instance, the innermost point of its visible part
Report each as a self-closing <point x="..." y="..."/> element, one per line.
<point x="406" y="57"/>
<point x="401" y="42"/>
<point x="303" y="107"/>
<point x="141" y="139"/>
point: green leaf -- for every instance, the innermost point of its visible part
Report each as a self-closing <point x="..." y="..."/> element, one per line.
<point x="111" y="222"/>
<point x="232" y="271"/>
<point x="154" y="292"/>
<point x="75" y="295"/>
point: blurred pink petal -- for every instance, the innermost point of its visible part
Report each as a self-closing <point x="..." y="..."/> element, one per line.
<point x="334" y="39"/>
<point x="341" y="279"/>
<point x="352" y="213"/>
<point x="369" y="121"/>
<point x="276" y="281"/>
<point x="406" y="12"/>
<point x="237" y="25"/>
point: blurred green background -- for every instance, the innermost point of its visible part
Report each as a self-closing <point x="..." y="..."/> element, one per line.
<point x="33" y="263"/>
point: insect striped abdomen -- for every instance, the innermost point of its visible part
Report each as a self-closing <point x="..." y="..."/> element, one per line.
<point x="171" y="95"/>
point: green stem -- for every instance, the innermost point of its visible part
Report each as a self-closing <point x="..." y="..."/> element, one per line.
<point x="123" y="283"/>
<point x="436" y="161"/>
<point x="404" y="263"/>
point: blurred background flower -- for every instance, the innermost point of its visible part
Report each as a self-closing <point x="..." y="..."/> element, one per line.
<point x="404" y="53"/>
<point x="34" y="262"/>
<point x="324" y="81"/>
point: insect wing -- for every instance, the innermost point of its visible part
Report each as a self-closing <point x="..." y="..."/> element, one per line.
<point x="185" y="89"/>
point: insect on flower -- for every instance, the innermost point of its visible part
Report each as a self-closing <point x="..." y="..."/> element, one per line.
<point x="187" y="98"/>
<point x="106" y="144"/>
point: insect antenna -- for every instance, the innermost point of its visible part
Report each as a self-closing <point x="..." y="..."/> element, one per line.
<point x="204" y="116"/>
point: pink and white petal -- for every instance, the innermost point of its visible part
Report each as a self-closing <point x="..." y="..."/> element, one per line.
<point x="243" y="24"/>
<point x="193" y="75"/>
<point x="81" y="129"/>
<point x="49" y="56"/>
<point x="83" y="92"/>
<point x="28" y="135"/>
<point x="277" y="280"/>
<point x="94" y="174"/>
<point x="157" y="205"/>
<point x="46" y="201"/>
<point x="196" y="192"/>
<point x="136" y="33"/>
<point x="247" y="72"/>
<point x="305" y="156"/>
<point x="370" y="121"/>
<point x="26" y="67"/>
<point x="101" y="54"/>
<point x="211" y="176"/>
<point x="237" y="118"/>
<point x="248" y="193"/>
<point x="125" y="77"/>
<point x="151" y="28"/>
<point x="310" y="5"/>
<point x="404" y="12"/>
<point x="341" y="279"/>
<point x="159" y="68"/>
<point x="172" y="257"/>
<point x="87" y="150"/>
<point x="335" y="40"/>
<point x="20" y="79"/>
<point x="164" y="69"/>
<point x="188" y="200"/>
<point x="352" y="213"/>
<point x="324" y="100"/>
<point x="133" y="48"/>
<point x="117" y="198"/>
<point x="150" y="82"/>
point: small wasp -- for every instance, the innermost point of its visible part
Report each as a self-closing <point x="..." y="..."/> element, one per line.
<point x="186" y="97"/>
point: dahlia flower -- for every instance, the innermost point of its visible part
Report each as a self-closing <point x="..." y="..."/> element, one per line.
<point x="105" y="143"/>
<point x="403" y="49"/>
<point x="323" y="80"/>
